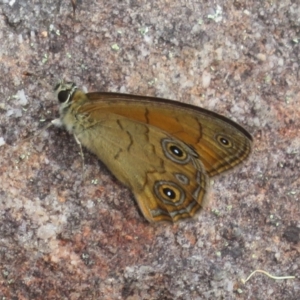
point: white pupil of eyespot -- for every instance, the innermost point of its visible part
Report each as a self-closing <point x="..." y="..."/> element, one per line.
<point x="169" y="193"/>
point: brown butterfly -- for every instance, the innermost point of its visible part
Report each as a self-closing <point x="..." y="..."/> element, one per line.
<point x="163" y="150"/>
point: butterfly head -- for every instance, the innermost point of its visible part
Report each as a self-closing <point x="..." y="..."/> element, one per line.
<point x="64" y="92"/>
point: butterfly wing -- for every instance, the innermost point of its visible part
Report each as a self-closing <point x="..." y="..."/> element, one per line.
<point x="162" y="150"/>
<point x="164" y="174"/>
<point x="220" y="143"/>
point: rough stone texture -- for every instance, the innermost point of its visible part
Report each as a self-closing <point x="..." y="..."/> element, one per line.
<point x="63" y="236"/>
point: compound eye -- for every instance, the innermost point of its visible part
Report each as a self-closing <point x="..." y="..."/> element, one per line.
<point x="64" y="91"/>
<point x="63" y="96"/>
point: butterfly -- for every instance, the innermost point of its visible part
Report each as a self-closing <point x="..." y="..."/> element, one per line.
<point x="164" y="151"/>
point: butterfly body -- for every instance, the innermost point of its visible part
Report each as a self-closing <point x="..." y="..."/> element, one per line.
<point x="162" y="150"/>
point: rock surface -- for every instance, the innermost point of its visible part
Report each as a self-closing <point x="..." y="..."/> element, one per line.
<point x="69" y="234"/>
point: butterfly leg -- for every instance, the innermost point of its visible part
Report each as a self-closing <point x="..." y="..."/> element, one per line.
<point x="81" y="154"/>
